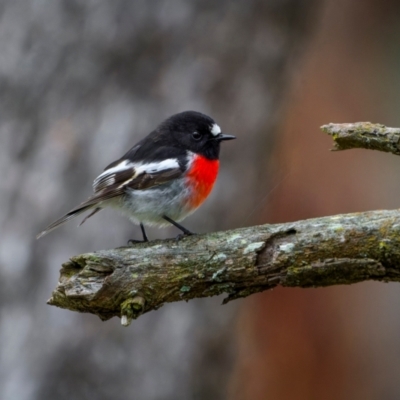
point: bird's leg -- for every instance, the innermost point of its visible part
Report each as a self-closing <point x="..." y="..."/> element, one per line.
<point x="145" y="238"/>
<point x="183" y="229"/>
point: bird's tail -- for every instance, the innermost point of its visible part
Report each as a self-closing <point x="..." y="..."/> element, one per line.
<point x="72" y="214"/>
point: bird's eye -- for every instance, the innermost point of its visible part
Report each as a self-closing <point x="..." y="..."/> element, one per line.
<point x="196" y="135"/>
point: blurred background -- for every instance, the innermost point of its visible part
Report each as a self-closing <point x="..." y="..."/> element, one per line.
<point x="82" y="81"/>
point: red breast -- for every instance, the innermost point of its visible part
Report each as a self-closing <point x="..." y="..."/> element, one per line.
<point x="201" y="177"/>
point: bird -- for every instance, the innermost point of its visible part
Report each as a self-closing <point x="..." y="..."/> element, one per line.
<point x="162" y="179"/>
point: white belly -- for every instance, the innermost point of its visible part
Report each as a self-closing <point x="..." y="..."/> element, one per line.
<point x="150" y="205"/>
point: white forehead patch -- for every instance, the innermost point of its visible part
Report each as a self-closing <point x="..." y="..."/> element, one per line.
<point x="215" y="130"/>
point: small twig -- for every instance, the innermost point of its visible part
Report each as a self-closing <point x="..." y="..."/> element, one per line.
<point x="364" y="135"/>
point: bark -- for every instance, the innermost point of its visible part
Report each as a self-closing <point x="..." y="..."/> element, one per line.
<point x="130" y="281"/>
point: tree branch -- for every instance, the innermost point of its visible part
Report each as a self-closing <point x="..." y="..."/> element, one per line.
<point x="364" y="135"/>
<point x="342" y="249"/>
<point x="129" y="281"/>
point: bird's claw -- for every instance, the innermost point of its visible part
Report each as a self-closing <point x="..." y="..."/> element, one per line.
<point x="132" y="242"/>
<point x="182" y="235"/>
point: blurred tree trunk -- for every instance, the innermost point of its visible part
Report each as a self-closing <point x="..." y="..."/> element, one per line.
<point x="81" y="82"/>
<point x="334" y="343"/>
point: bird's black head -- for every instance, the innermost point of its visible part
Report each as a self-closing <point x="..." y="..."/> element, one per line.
<point x="196" y="132"/>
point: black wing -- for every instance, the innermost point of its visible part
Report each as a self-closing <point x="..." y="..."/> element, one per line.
<point x="122" y="175"/>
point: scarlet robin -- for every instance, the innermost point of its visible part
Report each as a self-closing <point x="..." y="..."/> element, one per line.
<point x="163" y="178"/>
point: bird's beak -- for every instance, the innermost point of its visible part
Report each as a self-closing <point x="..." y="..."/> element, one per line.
<point x="222" y="137"/>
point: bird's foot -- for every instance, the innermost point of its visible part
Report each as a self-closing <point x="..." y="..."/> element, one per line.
<point x="132" y="242"/>
<point x="182" y="235"/>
